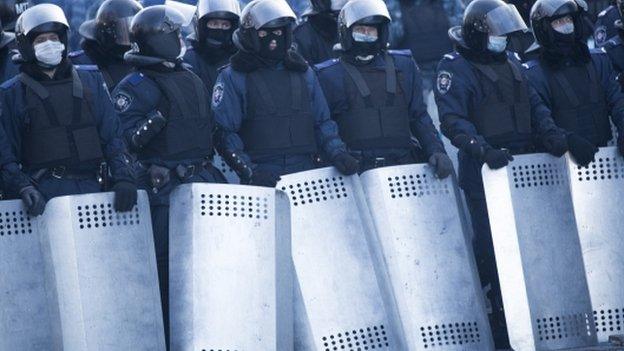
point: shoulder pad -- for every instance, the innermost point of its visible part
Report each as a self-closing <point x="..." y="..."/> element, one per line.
<point x="603" y="12"/>
<point x="406" y="52"/>
<point x="9" y="83"/>
<point x="530" y="64"/>
<point x="326" y="64"/>
<point x="452" y="56"/>
<point x="75" y="53"/>
<point x="136" y="78"/>
<point x="598" y="51"/>
<point x="86" y="67"/>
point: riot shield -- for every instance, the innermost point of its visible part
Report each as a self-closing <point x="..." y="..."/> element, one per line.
<point x="597" y="193"/>
<point x="219" y="163"/>
<point x="230" y="268"/>
<point x="429" y="259"/>
<point x="341" y="304"/>
<point x="538" y="254"/>
<point x="102" y="268"/>
<point x="26" y="319"/>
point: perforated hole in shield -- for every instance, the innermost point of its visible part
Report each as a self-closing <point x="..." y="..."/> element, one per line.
<point x="219" y="350"/>
<point x="102" y="215"/>
<point x="237" y="206"/>
<point x="537" y="175"/>
<point x="604" y="168"/>
<point x="609" y="321"/>
<point x="416" y="185"/>
<point x="369" y="338"/>
<point x="564" y="327"/>
<point x="14" y="223"/>
<point x="316" y="190"/>
<point x="440" y="335"/>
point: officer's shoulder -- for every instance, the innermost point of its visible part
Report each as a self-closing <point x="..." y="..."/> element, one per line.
<point x="303" y="26"/>
<point x="86" y="68"/>
<point x="450" y="57"/>
<point x="9" y="84"/>
<point x="531" y="65"/>
<point x="326" y="64"/>
<point x="598" y="51"/>
<point x="454" y="61"/>
<point x="132" y="80"/>
<point x="404" y="53"/>
<point x="75" y="54"/>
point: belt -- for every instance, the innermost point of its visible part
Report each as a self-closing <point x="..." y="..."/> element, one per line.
<point x="61" y="172"/>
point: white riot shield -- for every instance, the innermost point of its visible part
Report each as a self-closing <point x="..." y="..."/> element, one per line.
<point x="340" y="305"/>
<point x="230" y="269"/>
<point x="597" y="194"/>
<point x="538" y="254"/>
<point x="429" y="259"/>
<point x="219" y="163"/>
<point x="26" y="318"/>
<point x="102" y="268"/>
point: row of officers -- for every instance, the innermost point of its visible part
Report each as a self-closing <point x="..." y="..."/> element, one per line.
<point x="138" y="101"/>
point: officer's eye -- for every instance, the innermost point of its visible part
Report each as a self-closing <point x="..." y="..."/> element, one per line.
<point x="262" y="33"/>
<point x="277" y="32"/>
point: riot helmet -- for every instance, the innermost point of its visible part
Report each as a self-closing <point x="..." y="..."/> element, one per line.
<point x="5" y="37"/>
<point x="111" y="26"/>
<point x="620" y="6"/>
<point x="266" y="28"/>
<point x="354" y="22"/>
<point x="10" y="10"/>
<point x="325" y="6"/>
<point x="215" y="22"/>
<point x="155" y="32"/>
<point x="556" y="23"/>
<point x="486" y="25"/>
<point x="37" y="20"/>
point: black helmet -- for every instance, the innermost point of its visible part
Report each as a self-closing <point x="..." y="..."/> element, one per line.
<point x="111" y="26"/>
<point x="483" y="18"/>
<point x="324" y="6"/>
<point x="263" y="14"/>
<point x="10" y="10"/>
<point x="620" y="7"/>
<point x="43" y="18"/>
<point x="371" y="12"/>
<point x="545" y="11"/>
<point x="155" y="32"/>
<point x="215" y="9"/>
<point x="5" y="37"/>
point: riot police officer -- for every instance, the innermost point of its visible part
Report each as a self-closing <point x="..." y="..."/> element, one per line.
<point x="521" y="41"/>
<point x="165" y="112"/>
<point x="375" y="94"/>
<point x="615" y="46"/>
<point x="489" y="112"/>
<point x="271" y="111"/>
<point x="317" y="34"/>
<point x="576" y="84"/>
<point x="605" y="28"/>
<point x="211" y="43"/>
<point x="10" y="10"/>
<point x="106" y="39"/>
<point x="58" y="120"/>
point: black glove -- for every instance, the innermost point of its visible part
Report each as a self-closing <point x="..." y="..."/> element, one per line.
<point x="159" y="176"/>
<point x="33" y="200"/>
<point x="238" y="165"/>
<point x="346" y="164"/>
<point x="469" y="145"/>
<point x="582" y="150"/>
<point x="125" y="196"/>
<point x="441" y="164"/>
<point x="496" y="158"/>
<point x="264" y="178"/>
<point x="555" y="144"/>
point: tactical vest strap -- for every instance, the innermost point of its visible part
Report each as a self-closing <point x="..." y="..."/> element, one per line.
<point x="359" y="82"/>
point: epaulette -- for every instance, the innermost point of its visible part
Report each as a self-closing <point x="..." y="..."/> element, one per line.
<point x="530" y="64"/>
<point x="325" y="64"/>
<point x="75" y="53"/>
<point x="9" y="83"/>
<point x="602" y="13"/>
<point x="136" y="78"/>
<point x="405" y="52"/>
<point x="87" y="67"/>
<point x="452" y="56"/>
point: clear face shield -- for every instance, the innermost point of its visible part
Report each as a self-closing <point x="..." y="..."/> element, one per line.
<point x="504" y="20"/>
<point x="118" y="31"/>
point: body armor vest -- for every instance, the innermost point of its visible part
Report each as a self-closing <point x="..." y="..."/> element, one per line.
<point x="278" y="117"/>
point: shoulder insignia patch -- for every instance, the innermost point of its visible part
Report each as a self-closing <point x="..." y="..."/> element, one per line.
<point x="600" y="35"/>
<point x="217" y="94"/>
<point x="122" y="102"/>
<point x="444" y="81"/>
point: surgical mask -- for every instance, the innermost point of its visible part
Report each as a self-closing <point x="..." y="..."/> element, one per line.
<point x="364" y="38"/>
<point x="49" y="53"/>
<point x="497" y="44"/>
<point x="567" y="28"/>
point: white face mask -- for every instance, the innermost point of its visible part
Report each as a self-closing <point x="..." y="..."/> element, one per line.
<point x="497" y="44"/>
<point x="567" y="28"/>
<point x="49" y="53"/>
<point x="364" y="38"/>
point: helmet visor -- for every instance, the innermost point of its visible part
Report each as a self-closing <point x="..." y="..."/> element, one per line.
<point x="504" y="20"/>
<point x="117" y="30"/>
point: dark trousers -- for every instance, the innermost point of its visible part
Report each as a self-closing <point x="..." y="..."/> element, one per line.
<point x="486" y="264"/>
